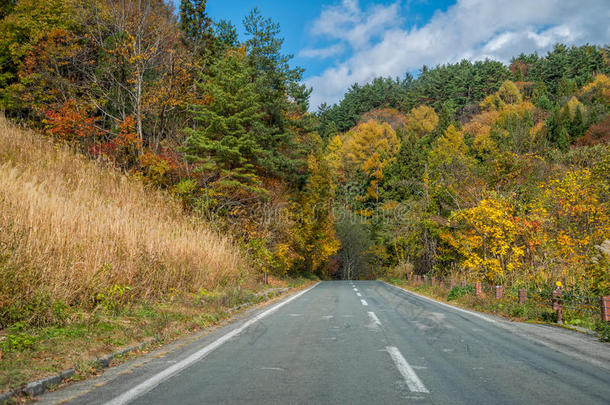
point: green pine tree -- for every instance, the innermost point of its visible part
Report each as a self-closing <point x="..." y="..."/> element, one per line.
<point x="577" y="129"/>
<point x="280" y="95"/>
<point x="224" y="144"/>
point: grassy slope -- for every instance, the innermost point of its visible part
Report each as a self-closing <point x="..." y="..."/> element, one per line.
<point x="91" y="261"/>
<point x="76" y="229"/>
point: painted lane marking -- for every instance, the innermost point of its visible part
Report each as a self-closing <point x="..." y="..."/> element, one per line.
<point x="358" y="294"/>
<point x="355" y="289"/>
<point x="374" y="318"/>
<point x="366" y="304"/>
<point x="407" y="372"/>
<point x="485" y="318"/>
<point x="158" y="378"/>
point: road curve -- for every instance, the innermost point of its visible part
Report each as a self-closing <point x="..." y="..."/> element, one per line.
<point x="362" y="342"/>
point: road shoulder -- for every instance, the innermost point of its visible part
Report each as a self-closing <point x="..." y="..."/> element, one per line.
<point x="572" y="343"/>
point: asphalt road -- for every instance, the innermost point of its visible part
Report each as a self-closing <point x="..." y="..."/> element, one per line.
<point x="362" y="342"/>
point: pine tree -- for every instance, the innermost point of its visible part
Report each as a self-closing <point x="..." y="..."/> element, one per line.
<point x="224" y="146"/>
<point x="280" y="95"/>
<point x="563" y="139"/>
<point x="226" y="35"/>
<point x="196" y="24"/>
<point x="577" y="129"/>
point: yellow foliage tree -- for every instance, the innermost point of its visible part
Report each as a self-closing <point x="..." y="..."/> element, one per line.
<point x="316" y="221"/>
<point x="576" y="219"/>
<point x="421" y="120"/>
<point x="480" y="128"/>
<point x="574" y="105"/>
<point x="370" y="147"/>
<point x="598" y="90"/>
<point x="508" y="93"/>
<point x="490" y="239"/>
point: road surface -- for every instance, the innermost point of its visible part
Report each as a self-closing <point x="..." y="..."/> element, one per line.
<point x="362" y="342"/>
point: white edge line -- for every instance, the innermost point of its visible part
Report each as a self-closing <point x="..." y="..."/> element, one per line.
<point x="158" y="378"/>
<point x="412" y="380"/>
<point x="374" y="318"/>
<point x="445" y="305"/>
<point x="506" y="325"/>
<point x="366" y="304"/>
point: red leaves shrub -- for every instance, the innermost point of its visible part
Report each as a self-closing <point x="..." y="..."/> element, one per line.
<point x="597" y="133"/>
<point x="69" y="122"/>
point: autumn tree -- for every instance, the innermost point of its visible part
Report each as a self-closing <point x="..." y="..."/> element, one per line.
<point x="23" y="34"/>
<point x="315" y="217"/>
<point x="421" y="121"/>
<point x="371" y="147"/>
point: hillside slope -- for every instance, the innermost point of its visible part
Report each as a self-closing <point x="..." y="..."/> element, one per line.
<point x="73" y="233"/>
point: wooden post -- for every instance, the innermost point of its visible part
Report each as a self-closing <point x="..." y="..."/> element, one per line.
<point x="441" y="283"/>
<point x="451" y="284"/>
<point x="556" y="299"/>
<point x="499" y="292"/>
<point x="478" y="288"/>
<point x="605" y="308"/>
<point x="522" y="296"/>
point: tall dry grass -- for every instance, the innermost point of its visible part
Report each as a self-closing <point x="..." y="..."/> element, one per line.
<point x="71" y="229"/>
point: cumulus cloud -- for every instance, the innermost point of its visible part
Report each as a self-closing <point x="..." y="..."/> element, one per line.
<point x="471" y="29"/>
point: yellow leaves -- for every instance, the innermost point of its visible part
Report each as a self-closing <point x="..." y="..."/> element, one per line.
<point x="368" y="139"/>
<point x="573" y="105"/>
<point x="449" y="148"/>
<point x="491" y="239"/>
<point x="370" y="147"/>
<point x="598" y="89"/>
<point x="507" y="94"/>
<point x="512" y="111"/>
<point x="538" y="131"/>
<point x="421" y="120"/>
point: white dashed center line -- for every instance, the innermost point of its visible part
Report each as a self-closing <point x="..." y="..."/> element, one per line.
<point x="358" y="294"/>
<point x="366" y="304"/>
<point x="355" y="289"/>
<point x="407" y="372"/>
<point x="374" y="318"/>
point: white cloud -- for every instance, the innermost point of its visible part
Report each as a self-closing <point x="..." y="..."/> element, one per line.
<point x="349" y="23"/>
<point x="470" y="29"/>
<point x="323" y="53"/>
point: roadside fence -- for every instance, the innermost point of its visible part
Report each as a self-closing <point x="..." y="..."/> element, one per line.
<point x="556" y="299"/>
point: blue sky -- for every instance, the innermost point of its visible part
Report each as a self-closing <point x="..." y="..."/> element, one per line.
<point x="340" y="42"/>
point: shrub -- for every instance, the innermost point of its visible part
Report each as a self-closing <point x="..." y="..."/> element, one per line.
<point x="459" y="291"/>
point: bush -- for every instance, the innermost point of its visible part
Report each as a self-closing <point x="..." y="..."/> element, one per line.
<point x="458" y="291"/>
<point x="603" y="331"/>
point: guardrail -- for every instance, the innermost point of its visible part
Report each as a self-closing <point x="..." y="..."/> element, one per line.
<point x="557" y="299"/>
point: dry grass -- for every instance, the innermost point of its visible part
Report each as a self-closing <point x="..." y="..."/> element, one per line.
<point x="73" y="230"/>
